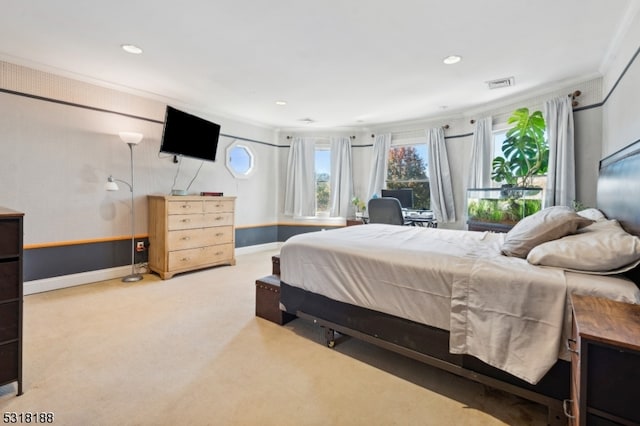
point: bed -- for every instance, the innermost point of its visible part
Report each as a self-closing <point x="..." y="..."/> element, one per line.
<point x="454" y="300"/>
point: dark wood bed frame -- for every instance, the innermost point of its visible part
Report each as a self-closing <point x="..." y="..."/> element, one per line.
<point x="618" y="197"/>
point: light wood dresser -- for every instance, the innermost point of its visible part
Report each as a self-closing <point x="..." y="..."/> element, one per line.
<point x="190" y="232"/>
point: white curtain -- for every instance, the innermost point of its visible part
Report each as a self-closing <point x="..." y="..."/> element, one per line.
<point x="300" y="190"/>
<point x="442" y="202"/>
<point x="561" y="175"/>
<point x="379" y="164"/>
<point x="341" y="177"/>
<point x="480" y="167"/>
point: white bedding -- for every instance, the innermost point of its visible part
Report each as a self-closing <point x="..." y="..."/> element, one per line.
<point x="506" y="312"/>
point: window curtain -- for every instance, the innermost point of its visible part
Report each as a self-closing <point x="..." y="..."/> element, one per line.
<point x="300" y="190"/>
<point x="561" y="175"/>
<point x="442" y="202"/>
<point x="341" y="177"/>
<point x="480" y="167"/>
<point x="379" y="164"/>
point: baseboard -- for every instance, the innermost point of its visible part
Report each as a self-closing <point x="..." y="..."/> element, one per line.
<point x="258" y="247"/>
<point x="64" y="281"/>
<point x="72" y="280"/>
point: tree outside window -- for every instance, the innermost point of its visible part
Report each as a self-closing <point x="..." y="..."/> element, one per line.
<point x="323" y="177"/>
<point x="407" y="168"/>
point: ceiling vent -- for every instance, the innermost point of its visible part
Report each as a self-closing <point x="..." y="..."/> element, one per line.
<point x="501" y="82"/>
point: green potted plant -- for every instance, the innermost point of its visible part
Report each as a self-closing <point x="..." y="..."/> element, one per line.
<point x="525" y="154"/>
<point x="360" y="206"/>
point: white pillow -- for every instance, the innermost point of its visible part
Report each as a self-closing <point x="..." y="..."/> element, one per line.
<point x="600" y="248"/>
<point x="593" y="214"/>
<point x="545" y="225"/>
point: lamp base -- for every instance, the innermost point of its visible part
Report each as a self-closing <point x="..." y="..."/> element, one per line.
<point x="179" y="192"/>
<point x="132" y="278"/>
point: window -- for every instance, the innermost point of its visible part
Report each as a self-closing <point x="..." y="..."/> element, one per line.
<point x="496" y="150"/>
<point x="240" y="160"/>
<point x="323" y="179"/>
<point x="407" y="168"/>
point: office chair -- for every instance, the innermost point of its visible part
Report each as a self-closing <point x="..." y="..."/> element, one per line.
<point x="386" y="210"/>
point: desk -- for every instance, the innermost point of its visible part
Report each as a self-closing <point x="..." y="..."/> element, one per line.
<point x="422" y="221"/>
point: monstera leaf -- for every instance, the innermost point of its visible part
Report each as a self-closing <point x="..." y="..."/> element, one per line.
<point x="525" y="152"/>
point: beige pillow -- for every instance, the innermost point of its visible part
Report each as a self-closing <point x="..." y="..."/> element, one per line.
<point x="593" y="214"/>
<point x="602" y="248"/>
<point x="546" y="225"/>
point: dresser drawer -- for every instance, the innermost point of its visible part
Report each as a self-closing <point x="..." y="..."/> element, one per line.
<point x="219" y="219"/>
<point x="10" y="241"/>
<point x="8" y="321"/>
<point x="9" y="276"/>
<point x="186" y="221"/>
<point x="184" y="207"/>
<point x="216" y="206"/>
<point x="184" y="259"/>
<point x="9" y="362"/>
<point x="193" y="238"/>
<point x="192" y="221"/>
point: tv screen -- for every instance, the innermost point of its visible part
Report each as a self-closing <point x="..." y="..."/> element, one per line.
<point x="405" y="196"/>
<point x="188" y="135"/>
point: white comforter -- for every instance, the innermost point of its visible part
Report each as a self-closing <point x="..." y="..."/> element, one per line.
<point x="502" y="310"/>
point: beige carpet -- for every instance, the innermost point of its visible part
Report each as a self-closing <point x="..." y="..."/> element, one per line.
<point x="189" y="351"/>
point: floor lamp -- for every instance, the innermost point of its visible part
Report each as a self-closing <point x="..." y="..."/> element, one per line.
<point x="131" y="139"/>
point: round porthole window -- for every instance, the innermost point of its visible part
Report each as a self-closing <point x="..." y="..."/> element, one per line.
<point x="240" y="160"/>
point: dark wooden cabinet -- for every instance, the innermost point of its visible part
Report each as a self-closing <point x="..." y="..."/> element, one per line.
<point x="11" y="297"/>
<point x="605" y="362"/>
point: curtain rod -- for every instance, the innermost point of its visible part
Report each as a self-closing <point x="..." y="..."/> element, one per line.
<point x="321" y="137"/>
<point x="446" y="126"/>
<point x="573" y="97"/>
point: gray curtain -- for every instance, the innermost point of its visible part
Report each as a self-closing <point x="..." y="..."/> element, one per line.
<point x="341" y="177"/>
<point x="561" y="175"/>
<point x="300" y="189"/>
<point x="480" y="166"/>
<point x="442" y="202"/>
<point x="379" y="164"/>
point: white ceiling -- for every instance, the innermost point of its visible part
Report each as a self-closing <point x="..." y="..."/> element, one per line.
<point x="341" y="63"/>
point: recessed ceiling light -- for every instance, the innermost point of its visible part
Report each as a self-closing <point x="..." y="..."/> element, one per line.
<point x="131" y="48"/>
<point x="452" y="59"/>
<point x="281" y="103"/>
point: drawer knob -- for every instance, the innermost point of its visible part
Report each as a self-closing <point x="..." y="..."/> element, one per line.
<point x="186" y="238"/>
<point x="186" y="220"/>
<point x="219" y="234"/>
<point x="186" y="259"/>
<point x="186" y="206"/>
<point x="220" y="253"/>
<point x="219" y="218"/>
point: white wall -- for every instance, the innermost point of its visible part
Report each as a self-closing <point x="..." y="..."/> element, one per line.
<point x="56" y="158"/>
<point x="621" y="123"/>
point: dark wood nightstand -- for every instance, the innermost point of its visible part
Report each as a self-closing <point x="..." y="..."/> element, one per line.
<point x="605" y="362"/>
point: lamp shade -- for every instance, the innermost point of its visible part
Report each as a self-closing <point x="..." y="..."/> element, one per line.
<point x="111" y="184"/>
<point x="131" y="137"/>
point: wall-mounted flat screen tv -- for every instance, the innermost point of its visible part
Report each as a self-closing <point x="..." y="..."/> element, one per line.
<point x="188" y="135"/>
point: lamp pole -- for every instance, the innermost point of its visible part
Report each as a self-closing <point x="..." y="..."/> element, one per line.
<point x="133" y="277"/>
<point x="131" y="139"/>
